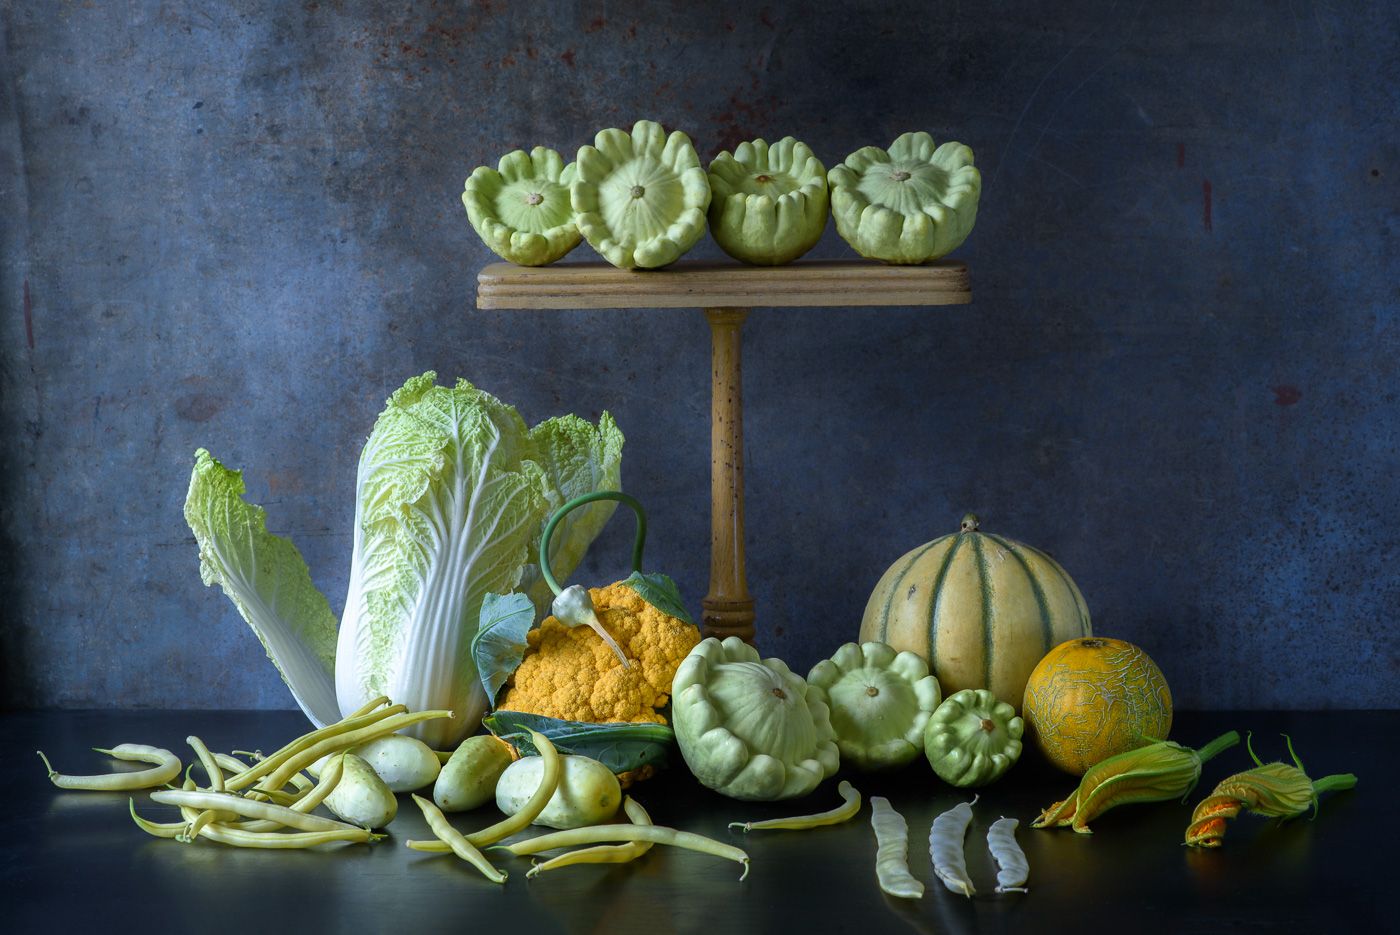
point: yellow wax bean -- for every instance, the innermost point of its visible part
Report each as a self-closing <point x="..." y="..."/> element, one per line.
<point x="340" y="742"/>
<point x="248" y="808"/>
<point x="193" y="828"/>
<point x="330" y="778"/>
<point x="454" y="839"/>
<point x="601" y="853"/>
<point x="209" y="762"/>
<point x="367" y="707"/>
<point x="166" y="769"/>
<point x="240" y="837"/>
<point x="158" y="829"/>
<point x="549" y="782"/>
<point x="848" y="809"/>
<point x="596" y="834"/>
<point x="270" y="763"/>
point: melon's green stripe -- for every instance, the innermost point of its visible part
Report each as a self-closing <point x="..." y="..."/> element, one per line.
<point x="984" y="575"/>
<point x="1075" y="597"/>
<point x="899" y="586"/>
<point x="1047" y="629"/>
<point x="938" y="598"/>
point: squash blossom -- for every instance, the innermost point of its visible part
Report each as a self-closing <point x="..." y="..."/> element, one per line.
<point x="571" y="674"/>
<point x="1274" y="790"/>
<point x="1160" y="771"/>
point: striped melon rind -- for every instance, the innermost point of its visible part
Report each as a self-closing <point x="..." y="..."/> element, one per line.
<point x="982" y="610"/>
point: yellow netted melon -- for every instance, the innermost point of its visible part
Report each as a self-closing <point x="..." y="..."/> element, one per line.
<point x="1090" y="699"/>
<point x="982" y="609"/>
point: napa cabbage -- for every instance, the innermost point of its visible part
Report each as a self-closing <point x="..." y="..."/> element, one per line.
<point x="451" y="494"/>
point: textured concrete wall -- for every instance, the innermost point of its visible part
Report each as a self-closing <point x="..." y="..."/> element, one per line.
<point x="238" y="226"/>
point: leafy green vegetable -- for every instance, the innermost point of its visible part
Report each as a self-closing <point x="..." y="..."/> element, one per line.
<point x="577" y="459"/>
<point x="661" y="592"/>
<point x="452" y="492"/>
<point x="620" y="747"/>
<point x="267" y="580"/>
<point x="500" y="642"/>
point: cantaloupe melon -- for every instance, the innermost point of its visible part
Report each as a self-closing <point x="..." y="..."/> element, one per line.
<point x="982" y="609"/>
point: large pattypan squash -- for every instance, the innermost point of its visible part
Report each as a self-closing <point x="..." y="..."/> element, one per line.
<point x="640" y="199"/>
<point x="748" y="727"/>
<point x="911" y="204"/>
<point x="521" y="209"/>
<point x="880" y="701"/>
<point x="770" y="202"/>
<point x="972" y="739"/>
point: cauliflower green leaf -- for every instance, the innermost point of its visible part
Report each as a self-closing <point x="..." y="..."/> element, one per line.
<point x="577" y="458"/>
<point x="501" y="639"/>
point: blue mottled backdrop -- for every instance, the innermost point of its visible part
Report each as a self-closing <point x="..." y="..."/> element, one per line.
<point x="238" y="225"/>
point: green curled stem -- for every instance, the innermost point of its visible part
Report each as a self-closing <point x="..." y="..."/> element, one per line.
<point x="1220" y="744"/>
<point x="637" y="545"/>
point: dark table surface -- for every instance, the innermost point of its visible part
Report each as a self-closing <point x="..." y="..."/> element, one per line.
<point x="70" y="859"/>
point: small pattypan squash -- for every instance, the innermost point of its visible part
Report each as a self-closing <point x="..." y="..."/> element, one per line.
<point x="770" y="202"/>
<point x="640" y="199"/>
<point x="911" y="204"/>
<point x="748" y="727"/>
<point x="521" y="209"/>
<point x="880" y="701"/>
<point x="972" y="738"/>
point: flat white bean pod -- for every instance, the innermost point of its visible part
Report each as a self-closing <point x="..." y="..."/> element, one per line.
<point x="945" y="846"/>
<point x="1001" y="841"/>
<point x="892" y="850"/>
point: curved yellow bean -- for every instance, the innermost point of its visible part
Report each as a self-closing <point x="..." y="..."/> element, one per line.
<point x="270" y="763"/>
<point x="209" y="762"/>
<point x="454" y="839"/>
<point x="848" y="809"/>
<point x="240" y="837"/>
<point x="367" y="707"/>
<point x="656" y="834"/>
<point x="193" y="828"/>
<point x="167" y="768"/>
<point x="330" y="778"/>
<point x="158" y="829"/>
<point x="549" y="782"/>
<point x="335" y="744"/>
<point x="275" y="796"/>
<point x="230" y="762"/>
<point x="601" y="853"/>
<point x="248" y="808"/>
<point x="237" y="837"/>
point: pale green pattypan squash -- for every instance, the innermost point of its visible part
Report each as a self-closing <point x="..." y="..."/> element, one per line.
<point x="911" y="204"/>
<point x="770" y="202"/>
<point x="973" y="738"/>
<point x="748" y="727"/>
<point x="522" y="209"/>
<point x="640" y="199"/>
<point x="880" y="701"/>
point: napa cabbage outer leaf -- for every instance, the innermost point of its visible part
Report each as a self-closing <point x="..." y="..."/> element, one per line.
<point x="452" y="491"/>
<point x="268" y="581"/>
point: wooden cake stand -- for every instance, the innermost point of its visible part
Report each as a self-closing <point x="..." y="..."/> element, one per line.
<point x="725" y="292"/>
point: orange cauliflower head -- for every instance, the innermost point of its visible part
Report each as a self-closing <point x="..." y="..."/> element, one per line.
<point x="571" y="674"/>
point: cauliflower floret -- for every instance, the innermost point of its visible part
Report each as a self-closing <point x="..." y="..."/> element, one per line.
<point x="571" y="674"/>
